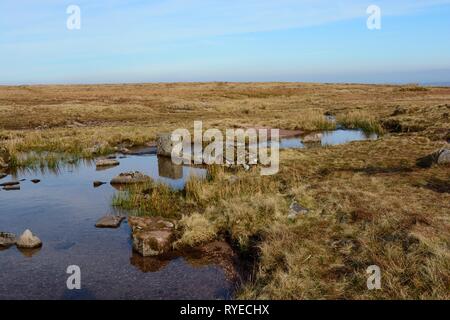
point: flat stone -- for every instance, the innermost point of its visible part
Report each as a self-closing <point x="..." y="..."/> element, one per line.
<point x="28" y="241"/>
<point x="131" y="178"/>
<point x="151" y="236"/>
<point x="11" y="183"/>
<point x="11" y="187"/>
<point x="7" y="239"/>
<point x="35" y="181"/>
<point x="106" y="163"/>
<point x="109" y="221"/>
<point x="295" y="210"/>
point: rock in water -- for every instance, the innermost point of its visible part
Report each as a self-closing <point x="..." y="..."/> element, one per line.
<point x="98" y="183"/>
<point x="164" y="145"/>
<point x="131" y="178"/>
<point x="109" y="222"/>
<point x="313" y="138"/>
<point x="28" y="241"/>
<point x="152" y="236"/>
<point x="106" y="163"/>
<point x="7" y="239"/>
<point x="11" y="183"/>
<point x="11" y="187"/>
<point x="35" y="181"/>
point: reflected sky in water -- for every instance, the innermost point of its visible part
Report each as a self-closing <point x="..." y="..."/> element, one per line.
<point x="62" y="210"/>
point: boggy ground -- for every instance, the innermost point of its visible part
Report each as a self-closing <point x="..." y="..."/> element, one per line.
<point x="369" y="203"/>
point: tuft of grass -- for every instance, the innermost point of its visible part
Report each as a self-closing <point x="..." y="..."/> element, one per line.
<point x="310" y="120"/>
<point x="413" y="88"/>
<point x="155" y="199"/>
<point x="197" y="229"/>
<point x="361" y="120"/>
<point x="246" y="218"/>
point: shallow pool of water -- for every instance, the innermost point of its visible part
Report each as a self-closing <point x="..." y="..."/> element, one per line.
<point x="62" y="210"/>
<point x="329" y="138"/>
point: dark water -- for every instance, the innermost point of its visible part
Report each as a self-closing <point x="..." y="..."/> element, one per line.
<point x="62" y="210"/>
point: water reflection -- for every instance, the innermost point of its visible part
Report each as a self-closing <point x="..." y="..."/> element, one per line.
<point x="328" y="138"/>
<point x="28" y="253"/>
<point x="325" y="138"/>
<point x="167" y="169"/>
<point x="63" y="209"/>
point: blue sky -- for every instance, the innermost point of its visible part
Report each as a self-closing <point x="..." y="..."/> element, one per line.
<point x="224" y="40"/>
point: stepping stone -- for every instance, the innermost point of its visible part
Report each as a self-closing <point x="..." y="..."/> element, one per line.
<point x="151" y="236"/>
<point x="35" y="181"/>
<point x="11" y="183"/>
<point x="11" y="187"/>
<point x="107" y="163"/>
<point x="109" y="221"/>
<point x="131" y="178"/>
<point x="7" y="239"/>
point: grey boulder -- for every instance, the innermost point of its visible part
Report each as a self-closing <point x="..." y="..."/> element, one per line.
<point x="109" y="221"/>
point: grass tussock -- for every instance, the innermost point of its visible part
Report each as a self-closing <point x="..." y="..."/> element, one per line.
<point x="197" y="230"/>
<point x="361" y="120"/>
<point x="311" y="120"/>
<point x="155" y="199"/>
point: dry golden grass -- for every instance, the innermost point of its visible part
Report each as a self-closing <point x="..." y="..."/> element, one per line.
<point x="76" y="118"/>
<point x="196" y="230"/>
<point x="369" y="202"/>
